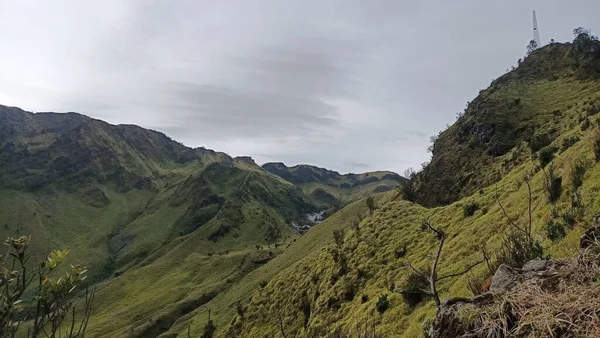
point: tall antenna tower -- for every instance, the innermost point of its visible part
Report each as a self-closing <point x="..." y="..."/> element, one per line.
<point x="536" y="32"/>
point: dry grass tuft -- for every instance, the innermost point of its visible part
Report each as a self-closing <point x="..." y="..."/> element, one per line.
<point x="564" y="305"/>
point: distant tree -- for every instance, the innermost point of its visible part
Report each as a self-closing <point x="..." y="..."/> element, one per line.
<point x="583" y="39"/>
<point x="531" y="46"/>
<point x="410" y="173"/>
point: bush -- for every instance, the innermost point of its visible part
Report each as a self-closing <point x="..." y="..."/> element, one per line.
<point x="370" y="204"/>
<point x="518" y="249"/>
<point x="408" y="190"/>
<point x="546" y="155"/>
<point x="578" y="170"/>
<point x="412" y="292"/>
<point x="569" y="142"/>
<point x="539" y="141"/>
<point x="553" y="184"/>
<point x="555" y="230"/>
<point x="382" y="304"/>
<point x="470" y="208"/>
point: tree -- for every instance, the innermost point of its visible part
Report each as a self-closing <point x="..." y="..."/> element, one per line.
<point x="433" y="277"/>
<point x="583" y="39"/>
<point x="531" y="46"/>
<point x="54" y="299"/>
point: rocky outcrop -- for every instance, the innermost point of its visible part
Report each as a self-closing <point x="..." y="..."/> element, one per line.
<point x="544" y="275"/>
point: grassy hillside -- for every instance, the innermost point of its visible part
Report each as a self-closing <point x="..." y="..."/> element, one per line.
<point x="528" y="123"/>
<point x="518" y="107"/>
<point x="327" y="187"/>
<point x="131" y="204"/>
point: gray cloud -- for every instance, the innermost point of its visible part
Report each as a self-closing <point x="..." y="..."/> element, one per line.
<point x="339" y="84"/>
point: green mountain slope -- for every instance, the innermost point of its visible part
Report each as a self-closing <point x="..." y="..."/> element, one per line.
<point x="518" y="107"/>
<point x="327" y="187"/>
<point x="540" y="116"/>
<point x="132" y="204"/>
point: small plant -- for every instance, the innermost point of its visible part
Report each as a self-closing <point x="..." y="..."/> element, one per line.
<point x="470" y="208"/>
<point x="382" y="303"/>
<point x="518" y="249"/>
<point x="585" y="125"/>
<point x="364" y="299"/>
<point x="555" y="230"/>
<point x="401" y="252"/>
<point x="263" y="283"/>
<point x="209" y="328"/>
<point x="578" y="170"/>
<point x="569" y="142"/>
<point x="553" y="184"/>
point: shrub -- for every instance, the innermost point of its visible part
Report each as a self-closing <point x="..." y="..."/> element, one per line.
<point x="408" y="190"/>
<point x="555" y="230"/>
<point x="518" y="249"/>
<point x="470" y="208"/>
<point x="263" y="283"/>
<point x="412" y="292"/>
<point x="401" y="252"/>
<point x="364" y="299"/>
<point x="553" y="184"/>
<point x="370" y="204"/>
<point x="539" y="141"/>
<point x="546" y="155"/>
<point x="569" y="142"/>
<point x="382" y="304"/>
<point x="578" y="170"/>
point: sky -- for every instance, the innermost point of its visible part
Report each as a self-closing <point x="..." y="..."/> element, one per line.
<point x="348" y="85"/>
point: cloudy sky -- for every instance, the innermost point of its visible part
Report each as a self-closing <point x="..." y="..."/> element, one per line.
<point x="347" y="85"/>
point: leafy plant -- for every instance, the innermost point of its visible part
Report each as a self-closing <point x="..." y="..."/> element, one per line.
<point x="470" y="208"/>
<point x="54" y="299"/>
<point x="578" y="170"/>
<point x="555" y="230"/>
<point x="382" y="304"/>
<point x="553" y="184"/>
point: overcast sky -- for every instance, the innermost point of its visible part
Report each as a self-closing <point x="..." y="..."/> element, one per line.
<point x="347" y="85"/>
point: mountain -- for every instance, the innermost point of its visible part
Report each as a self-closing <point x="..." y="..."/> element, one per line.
<point x="176" y="238"/>
<point x="327" y="187"/>
<point x="163" y="228"/>
<point x="531" y="141"/>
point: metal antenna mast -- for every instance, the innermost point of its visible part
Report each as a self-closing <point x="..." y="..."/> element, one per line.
<point x="536" y="32"/>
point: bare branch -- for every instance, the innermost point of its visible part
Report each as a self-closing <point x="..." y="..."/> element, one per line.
<point x="462" y="272"/>
<point x="512" y="222"/>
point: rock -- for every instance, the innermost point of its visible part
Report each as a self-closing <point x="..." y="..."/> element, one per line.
<point x="505" y="279"/>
